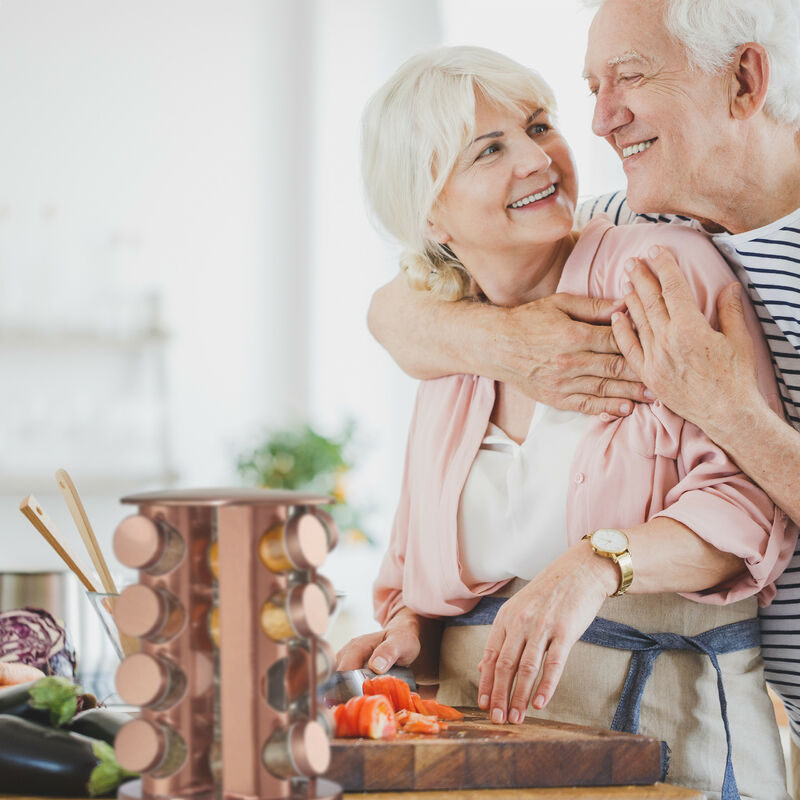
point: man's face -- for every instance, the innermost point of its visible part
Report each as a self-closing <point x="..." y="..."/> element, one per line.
<point x="668" y="124"/>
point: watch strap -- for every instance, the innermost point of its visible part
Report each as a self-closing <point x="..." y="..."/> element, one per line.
<point x="625" y="564"/>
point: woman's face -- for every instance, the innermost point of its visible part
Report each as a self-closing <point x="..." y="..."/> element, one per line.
<point x="511" y="191"/>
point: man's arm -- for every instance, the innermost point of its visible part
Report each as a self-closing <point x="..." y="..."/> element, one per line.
<point x="706" y="376"/>
<point x="556" y="349"/>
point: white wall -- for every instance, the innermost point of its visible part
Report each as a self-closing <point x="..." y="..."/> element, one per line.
<point x="206" y="154"/>
<point x="159" y="146"/>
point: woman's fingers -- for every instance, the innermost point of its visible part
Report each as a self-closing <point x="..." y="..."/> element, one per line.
<point x="554" y="663"/>
<point x="527" y="672"/>
<point x="491" y="652"/>
<point x="505" y="669"/>
<point x="357" y="651"/>
<point x="396" y="648"/>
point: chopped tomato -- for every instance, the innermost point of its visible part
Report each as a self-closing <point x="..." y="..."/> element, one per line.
<point x="368" y="716"/>
<point x="420" y="723"/>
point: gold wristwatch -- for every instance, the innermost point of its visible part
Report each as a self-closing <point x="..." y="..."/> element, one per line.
<point x="612" y="543"/>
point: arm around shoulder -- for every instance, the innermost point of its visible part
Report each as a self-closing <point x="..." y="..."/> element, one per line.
<point x="429" y="337"/>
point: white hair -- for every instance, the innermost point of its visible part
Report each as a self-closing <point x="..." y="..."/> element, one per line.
<point x="711" y="30"/>
<point x="415" y="127"/>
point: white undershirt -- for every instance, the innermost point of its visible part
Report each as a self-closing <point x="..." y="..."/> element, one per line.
<point x="512" y="514"/>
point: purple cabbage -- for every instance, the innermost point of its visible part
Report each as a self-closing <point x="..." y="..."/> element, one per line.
<point x="32" y="636"/>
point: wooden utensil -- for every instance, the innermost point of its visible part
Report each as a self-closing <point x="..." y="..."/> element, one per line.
<point x="33" y="510"/>
<point x="84" y="527"/>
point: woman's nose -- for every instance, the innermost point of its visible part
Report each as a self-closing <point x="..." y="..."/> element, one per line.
<point x="610" y="113"/>
<point x="535" y="159"/>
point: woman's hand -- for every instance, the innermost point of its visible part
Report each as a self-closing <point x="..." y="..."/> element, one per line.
<point x="535" y="630"/>
<point x="397" y="643"/>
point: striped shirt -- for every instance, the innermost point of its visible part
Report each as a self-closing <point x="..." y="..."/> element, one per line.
<point x="767" y="262"/>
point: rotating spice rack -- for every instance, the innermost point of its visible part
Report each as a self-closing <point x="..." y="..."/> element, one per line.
<point x="230" y="611"/>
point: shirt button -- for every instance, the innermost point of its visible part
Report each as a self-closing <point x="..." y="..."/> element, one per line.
<point x="579" y="477"/>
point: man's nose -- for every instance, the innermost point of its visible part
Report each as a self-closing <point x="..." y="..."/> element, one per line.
<point x="610" y="113"/>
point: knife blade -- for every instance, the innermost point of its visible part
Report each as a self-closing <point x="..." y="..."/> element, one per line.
<point x="341" y="686"/>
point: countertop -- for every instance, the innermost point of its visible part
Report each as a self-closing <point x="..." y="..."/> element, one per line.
<point x="658" y="791"/>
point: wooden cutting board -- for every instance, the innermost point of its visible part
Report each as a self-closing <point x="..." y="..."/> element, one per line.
<point x="474" y="754"/>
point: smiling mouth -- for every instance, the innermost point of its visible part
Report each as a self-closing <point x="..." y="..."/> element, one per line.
<point x="532" y="198"/>
<point x="633" y="149"/>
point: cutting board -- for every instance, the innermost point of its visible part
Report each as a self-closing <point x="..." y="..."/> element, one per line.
<point x="474" y="754"/>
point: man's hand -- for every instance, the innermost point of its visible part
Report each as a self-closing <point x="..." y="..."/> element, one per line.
<point x="557" y="351"/>
<point x="701" y="374"/>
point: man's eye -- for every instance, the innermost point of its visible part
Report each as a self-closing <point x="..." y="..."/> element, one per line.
<point x="538" y="129"/>
<point x="629" y="78"/>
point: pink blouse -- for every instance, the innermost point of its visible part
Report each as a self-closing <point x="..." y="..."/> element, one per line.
<point x="625" y="472"/>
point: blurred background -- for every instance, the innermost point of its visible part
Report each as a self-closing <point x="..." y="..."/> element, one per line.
<point x="185" y="259"/>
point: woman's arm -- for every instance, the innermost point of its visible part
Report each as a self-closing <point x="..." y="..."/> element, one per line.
<point x="536" y="628"/>
<point x="557" y="350"/>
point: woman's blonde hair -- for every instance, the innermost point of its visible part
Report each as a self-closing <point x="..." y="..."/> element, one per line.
<point x="415" y="127"/>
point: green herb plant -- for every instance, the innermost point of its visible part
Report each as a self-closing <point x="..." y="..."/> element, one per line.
<point x="302" y="459"/>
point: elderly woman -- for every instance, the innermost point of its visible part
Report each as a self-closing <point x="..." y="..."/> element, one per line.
<point x="563" y="553"/>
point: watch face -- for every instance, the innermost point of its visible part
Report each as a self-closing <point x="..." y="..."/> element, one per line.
<point x="610" y="540"/>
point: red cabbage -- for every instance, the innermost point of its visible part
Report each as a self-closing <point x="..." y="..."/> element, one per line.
<point x="31" y="636"/>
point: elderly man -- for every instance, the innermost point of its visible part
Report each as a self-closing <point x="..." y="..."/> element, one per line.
<point x="701" y="100"/>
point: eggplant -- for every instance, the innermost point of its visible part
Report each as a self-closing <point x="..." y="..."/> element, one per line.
<point x="99" y="723"/>
<point x="38" y="760"/>
<point x="50" y="700"/>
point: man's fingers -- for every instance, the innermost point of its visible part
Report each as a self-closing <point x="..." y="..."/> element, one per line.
<point x="731" y="318"/>
<point x="628" y="342"/>
<point x="586" y="309"/>
<point x="675" y="289"/>
<point x="595" y="338"/>
<point x="597" y="406"/>
<point x="638" y="316"/>
<point x="608" y="387"/>
<point x="649" y="292"/>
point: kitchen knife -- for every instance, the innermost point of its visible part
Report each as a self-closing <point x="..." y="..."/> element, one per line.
<point x="341" y="686"/>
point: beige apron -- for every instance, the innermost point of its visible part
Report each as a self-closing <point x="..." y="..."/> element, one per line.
<point x="680" y="703"/>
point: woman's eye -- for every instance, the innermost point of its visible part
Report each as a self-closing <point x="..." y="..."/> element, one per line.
<point x="490" y="150"/>
<point x="538" y="129"/>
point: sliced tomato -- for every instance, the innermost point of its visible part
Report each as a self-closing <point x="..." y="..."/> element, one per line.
<point x="446" y="712"/>
<point x="420" y="723"/>
<point x="418" y="704"/>
<point x="403" y="696"/>
<point x="343" y="730"/>
<point x="377" y="718"/>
